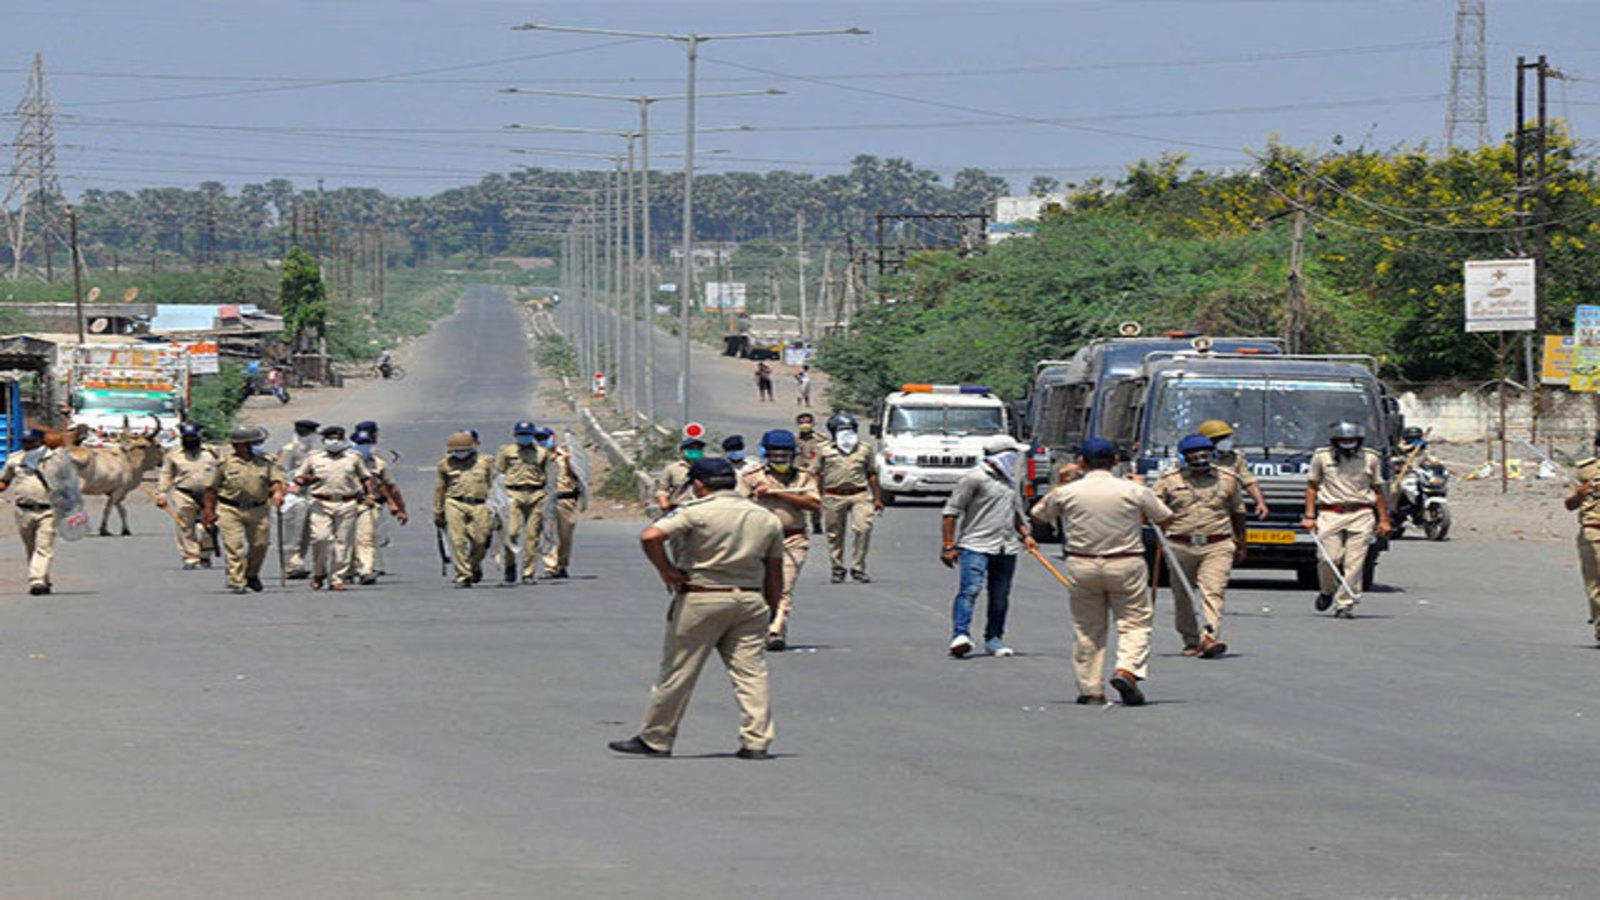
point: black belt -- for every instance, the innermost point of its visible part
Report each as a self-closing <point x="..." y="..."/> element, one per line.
<point x="524" y="487"/>
<point x="331" y="498"/>
<point x="1343" y="507"/>
<point x="35" y="507"/>
<point x="237" y="505"/>
<point x="567" y="495"/>
<point x="1200" y="540"/>
<point x="466" y="500"/>
<point x="716" y="589"/>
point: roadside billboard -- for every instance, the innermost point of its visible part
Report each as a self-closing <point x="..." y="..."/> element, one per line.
<point x="1499" y="294"/>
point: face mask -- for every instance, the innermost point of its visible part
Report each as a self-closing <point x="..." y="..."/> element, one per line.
<point x="548" y="443"/>
<point x="807" y="430"/>
<point x="1004" y="463"/>
<point x="334" y="445"/>
<point x="847" y="441"/>
<point x="462" y="454"/>
<point x="258" y="449"/>
<point x="783" y="468"/>
<point x="692" y="455"/>
<point x="190" y="443"/>
<point x="735" y="456"/>
<point x="525" y="440"/>
<point x="1198" y="462"/>
<point x="1346" y="447"/>
<point x="1224" y="445"/>
<point x="365" y="450"/>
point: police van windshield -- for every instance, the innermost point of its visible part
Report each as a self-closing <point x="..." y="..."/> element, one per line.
<point x="957" y="421"/>
<point x="1272" y="413"/>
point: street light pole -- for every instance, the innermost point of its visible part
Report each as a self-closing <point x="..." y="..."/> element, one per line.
<point x="692" y="44"/>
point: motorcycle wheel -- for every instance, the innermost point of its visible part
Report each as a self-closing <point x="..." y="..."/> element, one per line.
<point x="1437" y="525"/>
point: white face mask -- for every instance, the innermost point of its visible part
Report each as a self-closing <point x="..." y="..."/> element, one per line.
<point x="1224" y="445"/>
<point x="1005" y="463"/>
<point x="462" y="454"/>
<point x="365" y="450"/>
<point x="258" y="449"/>
<point x="334" y="445"/>
<point x="847" y="441"/>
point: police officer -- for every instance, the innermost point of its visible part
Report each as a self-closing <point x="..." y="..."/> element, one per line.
<point x="340" y="484"/>
<point x="1206" y="540"/>
<point x="1585" y="498"/>
<point x="236" y="503"/>
<point x="725" y="583"/>
<point x="789" y="492"/>
<point x="522" y="464"/>
<point x="733" y="451"/>
<point x="1225" y="456"/>
<point x="848" y="474"/>
<point x="1343" y="488"/>
<point x="290" y="459"/>
<point x="460" y="505"/>
<point x="1105" y="557"/>
<point x="36" y="518"/>
<point x="364" y="555"/>
<point x="672" y="486"/>
<point x="806" y="442"/>
<point x="569" y="496"/>
<point x="185" y="476"/>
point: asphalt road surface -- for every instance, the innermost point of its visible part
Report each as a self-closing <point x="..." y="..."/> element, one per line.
<point x="166" y="739"/>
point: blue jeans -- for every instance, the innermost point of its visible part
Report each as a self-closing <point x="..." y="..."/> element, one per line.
<point x="998" y="568"/>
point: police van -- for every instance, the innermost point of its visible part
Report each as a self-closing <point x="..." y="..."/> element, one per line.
<point x="931" y="434"/>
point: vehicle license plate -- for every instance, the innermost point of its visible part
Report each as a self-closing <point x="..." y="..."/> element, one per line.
<point x="1263" y="536"/>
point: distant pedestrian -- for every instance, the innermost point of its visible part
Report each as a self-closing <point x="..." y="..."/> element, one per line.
<point x="802" y="380"/>
<point x="988" y="509"/>
<point x="725" y="578"/>
<point x="1105" y="558"/>
<point x="764" y="382"/>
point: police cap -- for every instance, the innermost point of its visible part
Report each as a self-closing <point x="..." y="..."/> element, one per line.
<point x="307" y="425"/>
<point x="688" y="442"/>
<point x="733" y="442"/>
<point x="1098" y="450"/>
<point x="333" y="431"/>
<point x="188" y="429"/>
<point x="367" y="425"/>
<point x="1195" y="442"/>
<point x="363" y="436"/>
<point x="708" y="467"/>
<point x="545" y="432"/>
<point x="778" y="439"/>
<point x="524" y="427"/>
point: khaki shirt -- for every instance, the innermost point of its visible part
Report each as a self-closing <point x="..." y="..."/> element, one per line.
<point x="792" y="517"/>
<point x="381" y="476"/>
<point x="723" y="540"/>
<point x="805" y="451"/>
<point x="1202" y="503"/>
<point x="294" y="454"/>
<point x="566" y="480"/>
<point x="1346" y="481"/>
<point x="247" y="481"/>
<point x="674" y="482"/>
<point x="188" y="472"/>
<point x="462" y="479"/>
<point x="1234" y="461"/>
<point x="1103" y="513"/>
<point x="1587" y="470"/>
<point x="343" y="476"/>
<point x="835" y="469"/>
<point x="26" y="484"/>
<point x="522" y="466"/>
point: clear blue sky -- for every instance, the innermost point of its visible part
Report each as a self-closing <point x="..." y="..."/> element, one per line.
<point x="174" y="92"/>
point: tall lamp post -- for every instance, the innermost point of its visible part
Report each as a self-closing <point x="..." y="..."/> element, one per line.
<point x="691" y="44"/>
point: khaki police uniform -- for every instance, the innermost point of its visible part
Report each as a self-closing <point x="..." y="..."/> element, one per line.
<point x="805" y="456"/>
<point x="674" y="482"/>
<point x="185" y="476"/>
<point x="796" y="544"/>
<point x="1234" y="461"/>
<point x="1347" y="487"/>
<point x="336" y="500"/>
<point x="290" y="459"/>
<point x="847" y="499"/>
<point x="568" y="491"/>
<point x="36" y="519"/>
<point x="364" y="555"/>
<point x="523" y="468"/>
<point x="1588" y="538"/>
<point x="724" y="541"/>
<point x="1202" y="542"/>
<point x="244" y="518"/>
<point x="1105" y="557"/>
<point x="461" y="494"/>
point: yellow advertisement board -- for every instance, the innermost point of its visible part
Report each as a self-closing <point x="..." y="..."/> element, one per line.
<point x="1557" y="359"/>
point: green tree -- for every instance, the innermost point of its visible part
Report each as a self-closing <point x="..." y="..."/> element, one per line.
<point x="302" y="297"/>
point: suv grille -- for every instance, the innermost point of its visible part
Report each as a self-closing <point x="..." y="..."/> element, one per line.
<point x="937" y="461"/>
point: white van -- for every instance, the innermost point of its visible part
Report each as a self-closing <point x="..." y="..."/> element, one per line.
<point x="931" y="434"/>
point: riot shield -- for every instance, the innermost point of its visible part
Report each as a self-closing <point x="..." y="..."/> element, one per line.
<point x="580" y="466"/>
<point x="66" y="495"/>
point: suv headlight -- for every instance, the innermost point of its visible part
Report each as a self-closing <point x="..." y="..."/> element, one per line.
<point x="899" y="459"/>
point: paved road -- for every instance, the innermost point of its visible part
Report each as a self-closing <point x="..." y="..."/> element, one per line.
<point x="166" y="739"/>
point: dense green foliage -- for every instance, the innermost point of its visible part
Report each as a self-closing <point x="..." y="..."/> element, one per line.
<point x="215" y="398"/>
<point x="554" y="354"/>
<point x="232" y="284"/>
<point x="413" y="300"/>
<point x="302" y="298"/>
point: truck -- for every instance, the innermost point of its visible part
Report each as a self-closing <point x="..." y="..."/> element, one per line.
<point x="112" y="387"/>
<point x="767" y="335"/>
<point x="1280" y="406"/>
<point x="1065" y="403"/>
<point x="931" y="434"/>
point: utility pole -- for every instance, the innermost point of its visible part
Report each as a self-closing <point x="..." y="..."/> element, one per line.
<point x="1533" y="342"/>
<point x="77" y="269"/>
<point x="800" y="261"/>
<point x="1297" y="302"/>
<point x="33" y="176"/>
<point x="1467" y="110"/>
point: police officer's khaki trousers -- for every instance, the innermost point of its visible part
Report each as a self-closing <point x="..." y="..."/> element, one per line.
<point x="37" y="528"/>
<point x="1118" y="588"/>
<point x="364" y="544"/>
<point x="526" y="525"/>
<point x="561" y="550"/>
<point x="1589" y="559"/>
<point x="795" y="549"/>
<point x="1208" y="569"/>
<point x="857" y="511"/>
<point x="733" y="623"/>
<point x="299" y="541"/>
<point x="332" y="526"/>
<point x="245" y="534"/>
<point x="469" y="525"/>
<point x="187" y="510"/>
<point x="1346" y="537"/>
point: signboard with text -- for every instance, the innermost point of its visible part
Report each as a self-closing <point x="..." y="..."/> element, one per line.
<point x="1557" y="360"/>
<point x="1586" y="348"/>
<point x="1499" y="294"/>
<point x="725" y="295"/>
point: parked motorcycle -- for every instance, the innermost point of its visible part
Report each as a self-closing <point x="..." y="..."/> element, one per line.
<point x="1423" y="501"/>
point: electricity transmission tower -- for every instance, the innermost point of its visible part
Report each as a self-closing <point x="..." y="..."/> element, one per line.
<point x="1467" y="112"/>
<point x="32" y="204"/>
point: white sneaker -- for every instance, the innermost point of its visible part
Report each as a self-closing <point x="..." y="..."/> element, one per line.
<point x="960" y="646"/>
<point x="997" y="647"/>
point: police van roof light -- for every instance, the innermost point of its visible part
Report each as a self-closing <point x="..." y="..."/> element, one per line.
<point x="945" y="389"/>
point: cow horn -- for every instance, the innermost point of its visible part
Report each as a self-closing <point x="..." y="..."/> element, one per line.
<point x="154" y="429"/>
